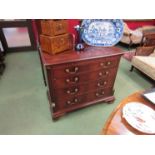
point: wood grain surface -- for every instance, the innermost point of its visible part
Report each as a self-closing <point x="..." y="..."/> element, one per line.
<point x="117" y="125"/>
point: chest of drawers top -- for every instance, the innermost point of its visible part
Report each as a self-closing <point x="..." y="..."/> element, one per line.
<point x="74" y="56"/>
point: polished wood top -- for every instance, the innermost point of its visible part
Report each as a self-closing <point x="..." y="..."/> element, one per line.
<point x="116" y="125"/>
<point x="89" y="52"/>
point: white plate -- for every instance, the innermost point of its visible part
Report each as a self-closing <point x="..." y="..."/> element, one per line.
<point x="140" y="116"/>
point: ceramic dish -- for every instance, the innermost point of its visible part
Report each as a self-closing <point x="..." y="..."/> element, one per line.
<point x="102" y="32"/>
<point x="140" y="117"/>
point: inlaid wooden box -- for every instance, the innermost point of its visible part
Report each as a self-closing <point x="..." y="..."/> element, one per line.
<point x="56" y="44"/>
<point x="54" y="27"/>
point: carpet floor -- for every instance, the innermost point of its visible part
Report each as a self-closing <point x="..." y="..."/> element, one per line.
<point x="24" y="107"/>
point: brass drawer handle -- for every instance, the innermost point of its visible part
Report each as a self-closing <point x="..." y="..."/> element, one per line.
<point x="53" y="105"/>
<point x="105" y="65"/>
<point x="72" y="72"/>
<point x="106" y="72"/>
<point x="108" y="63"/>
<point x="68" y="102"/>
<point x="73" y="102"/>
<point x="101" y="73"/>
<point x="100" y="94"/>
<point x="101" y="84"/>
<point x="102" y="64"/>
<point x="75" y="80"/>
<point x="73" y="92"/>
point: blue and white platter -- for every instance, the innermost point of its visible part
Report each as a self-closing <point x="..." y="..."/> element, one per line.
<point x="102" y="32"/>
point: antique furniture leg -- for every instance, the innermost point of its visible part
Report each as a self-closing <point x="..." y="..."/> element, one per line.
<point x="111" y="99"/>
<point x="2" y="67"/>
<point x="131" y="69"/>
<point x="130" y="44"/>
<point x="42" y="67"/>
<point x="2" y="64"/>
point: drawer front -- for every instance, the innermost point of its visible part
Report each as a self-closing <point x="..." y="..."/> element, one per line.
<point x="100" y="93"/>
<point x="74" y="101"/>
<point x="109" y="62"/>
<point x="74" y="68"/>
<point x="71" y="101"/>
<point x="72" y="80"/>
<point x="54" y="27"/>
<point x="81" y="89"/>
<point x="84" y="66"/>
<point x="82" y="99"/>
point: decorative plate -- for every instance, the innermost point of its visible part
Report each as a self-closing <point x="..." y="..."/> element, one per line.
<point x="140" y="116"/>
<point x="102" y="32"/>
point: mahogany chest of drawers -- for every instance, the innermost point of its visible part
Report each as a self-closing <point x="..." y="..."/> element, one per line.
<point x="79" y="79"/>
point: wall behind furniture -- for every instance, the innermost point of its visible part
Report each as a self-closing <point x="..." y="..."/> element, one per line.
<point x="72" y="23"/>
<point x="132" y="23"/>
